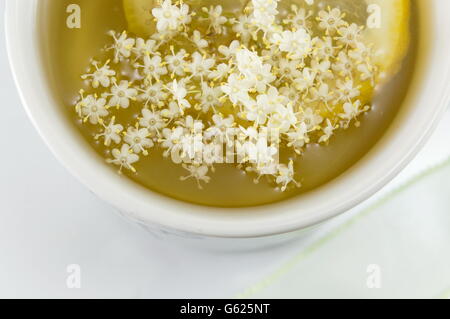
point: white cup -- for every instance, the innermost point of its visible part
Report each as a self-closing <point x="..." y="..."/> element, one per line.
<point x="425" y="103"/>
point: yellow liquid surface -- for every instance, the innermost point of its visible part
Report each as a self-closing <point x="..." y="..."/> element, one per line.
<point x="68" y="53"/>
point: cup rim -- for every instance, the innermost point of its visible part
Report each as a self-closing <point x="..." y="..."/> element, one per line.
<point x="151" y="208"/>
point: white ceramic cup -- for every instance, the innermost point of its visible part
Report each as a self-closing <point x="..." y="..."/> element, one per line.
<point x="425" y="103"/>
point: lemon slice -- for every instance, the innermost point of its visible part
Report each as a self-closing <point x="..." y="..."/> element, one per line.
<point x="392" y="36"/>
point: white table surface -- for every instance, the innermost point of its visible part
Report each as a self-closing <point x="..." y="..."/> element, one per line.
<point x="48" y="221"/>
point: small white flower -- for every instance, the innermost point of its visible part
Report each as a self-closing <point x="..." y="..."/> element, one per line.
<point x="230" y="51"/>
<point x="168" y="16"/>
<point x="322" y="93"/>
<point x="324" y="48"/>
<point x="152" y="120"/>
<point x="179" y="93"/>
<point x="124" y="158"/>
<point x="101" y="75"/>
<point x="331" y="20"/>
<point x="361" y="53"/>
<point x="201" y="66"/>
<point x="288" y="69"/>
<point x="297" y="44"/>
<point x="264" y="13"/>
<point x="311" y="119"/>
<point x="171" y="138"/>
<point x="352" y="110"/>
<point x="265" y="105"/>
<point x="185" y="17"/>
<point x="138" y="139"/>
<point x="347" y="91"/>
<point x="153" y="67"/>
<point x="209" y="97"/>
<point x="272" y="56"/>
<point x="110" y="133"/>
<point x="164" y="37"/>
<point x="198" y="40"/>
<point x="300" y="18"/>
<point x="244" y="28"/>
<point x="220" y="72"/>
<point x="282" y="119"/>
<point x="123" y="46"/>
<point x="215" y="19"/>
<point x="327" y="132"/>
<point x="145" y="47"/>
<point x="121" y="94"/>
<point x="191" y="125"/>
<point x="247" y="60"/>
<point x="268" y="7"/>
<point x="366" y="72"/>
<point x="257" y="74"/>
<point x="343" y="65"/>
<point x="198" y="172"/>
<point x="254" y="113"/>
<point x="176" y="62"/>
<point x="221" y="127"/>
<point x="236" y="89"/>
<point x="191" y="145"/>
<point x="152" y="93"/>
<point x="172" y="111"/>
<point x="322" y="69"/>
<point x="290" y="93"/>
<point x="249" y="133"/>
<point x="261" y="77"/>
<point x="270" y="101"/>
<point x="286" y="176"/>
<point x="260" y="152"/>
<point x="349" y="35"/>
<point x="298" y="137"/>
<point x="265" y="169"/>
<point x="93" y="109"/>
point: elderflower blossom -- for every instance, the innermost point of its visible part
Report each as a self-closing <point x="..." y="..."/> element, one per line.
<point x="197" y="172"/>
<point x="138" y="139"/>
<point x="169" y="16"/>
<point x="153" y="121"/>
<point x="124" y="158"/>
<point x="110" y="133"/>
<point x="101" y="75"/>
<point x="215" y="19"/>
<point x="209" y="75"/>
<point x="152" y="67"/>
<point x="297" y="44"/>
<point x="331" y="20"/>
<point x="123" y="46"/>
<point x="264" y="14"/>
<point x="92" y="109"/>
<point x="121" y="94"/>
<point x="179" y="92"/>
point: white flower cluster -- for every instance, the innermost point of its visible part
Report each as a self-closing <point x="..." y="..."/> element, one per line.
<point x="204" y="71"/>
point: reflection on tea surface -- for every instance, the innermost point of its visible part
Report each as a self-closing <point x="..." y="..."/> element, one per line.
<point x="178" y="78"/>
